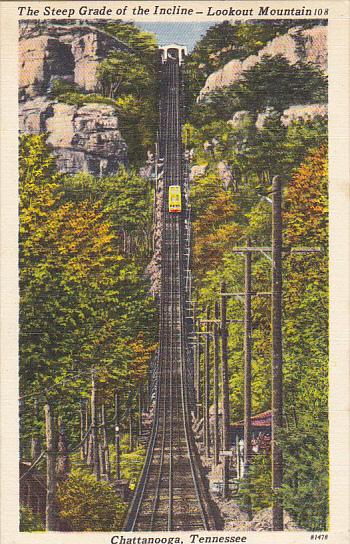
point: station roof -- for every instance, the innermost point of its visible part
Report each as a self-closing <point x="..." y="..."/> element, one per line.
<point x="259" y="420"/>
<point x="169" y="45"/>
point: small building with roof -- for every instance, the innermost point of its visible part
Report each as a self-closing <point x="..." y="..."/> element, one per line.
<point x="173" y="51"/>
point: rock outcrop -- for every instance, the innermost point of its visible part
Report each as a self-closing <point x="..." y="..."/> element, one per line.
<point x="84" y="138"/>
<point x="304" y="112"/>
<point x="297" y="45"/>
<point x="298" y="112"/>
<point x="49" y="51"/>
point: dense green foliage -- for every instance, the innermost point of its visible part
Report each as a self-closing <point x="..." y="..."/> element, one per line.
<point x="238" y="160"/>
<point x="84" y="245"/>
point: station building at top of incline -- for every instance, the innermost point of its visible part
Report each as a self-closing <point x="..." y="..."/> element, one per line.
<point x="173" y="51"/>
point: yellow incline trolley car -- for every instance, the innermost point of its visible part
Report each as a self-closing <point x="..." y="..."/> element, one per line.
<point x="174" y="198"/>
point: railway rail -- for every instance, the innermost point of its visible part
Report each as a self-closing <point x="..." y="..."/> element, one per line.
<point x="171" y="494"/>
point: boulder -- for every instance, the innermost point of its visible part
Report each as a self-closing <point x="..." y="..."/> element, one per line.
<point x="304" y="112"/>
<point x="239" y="119"/>
<point x="197" y="171"/>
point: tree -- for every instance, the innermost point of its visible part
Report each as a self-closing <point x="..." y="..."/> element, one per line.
<point x="121" y="73"/>
<point x="306" y="346"/>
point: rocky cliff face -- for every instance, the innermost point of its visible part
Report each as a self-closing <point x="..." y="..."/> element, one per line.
<point x="297" y="45"/>
<point x="72" y="52"/>
<point x="83" y="138"/>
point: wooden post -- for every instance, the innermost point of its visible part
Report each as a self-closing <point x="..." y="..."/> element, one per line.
<point x="206" y="433"/>
<point x="117" y="435"/>
<point x="51" y="481"/>
<point x="225" y="392"/>
<point x="216" y="384"/>
<point x="107" y="465"/>
<point x="277" y="355"/>
<point x="247" y="360"/>
<point x="94" y="429"/>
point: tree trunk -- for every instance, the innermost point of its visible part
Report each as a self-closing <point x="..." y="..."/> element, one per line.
<point x="107" y="465"/>
<point x="63" y="463"/>
<point x="90" y="455"/>
<point x="94" y="430"/>
<point x="51" y="482"/>
<point x="131" y="437"/>
<point x="35" y="448"/>
<point x="117" y="435"/>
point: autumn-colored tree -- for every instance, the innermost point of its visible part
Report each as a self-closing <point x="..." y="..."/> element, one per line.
<point x="306" y="344"/>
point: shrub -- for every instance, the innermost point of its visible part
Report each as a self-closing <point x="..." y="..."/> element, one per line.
<point x="89" y="505"/>
<point x="29" y="521"/>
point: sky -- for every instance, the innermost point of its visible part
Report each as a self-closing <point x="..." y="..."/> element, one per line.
<point x="181" y="33"/>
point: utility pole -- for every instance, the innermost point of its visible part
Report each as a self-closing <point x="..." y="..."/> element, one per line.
<point x="140" y="397"/>
<point x="198" y="374"/>
<point x="216" y="382"/>
<point x="247" y="360"/>
<point x="277" y="252"/>
<point x="107" y="465"/>
<point x="95" y="452"/>
<point x="86" y="428"/>
<point x="82" y="414"/>
<point x="206" y="433"/>
<point x="131" y="431"/>
<point x="117" y="435"/>
<point x="277" y="356"/>
<point x="225" y="393"/>
<point x="51" y="480"/>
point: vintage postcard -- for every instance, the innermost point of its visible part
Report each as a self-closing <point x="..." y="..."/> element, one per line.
<point x="174" y="272"/>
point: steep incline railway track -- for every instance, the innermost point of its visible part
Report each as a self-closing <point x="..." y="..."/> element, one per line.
<point x="171" y="494"/>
